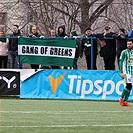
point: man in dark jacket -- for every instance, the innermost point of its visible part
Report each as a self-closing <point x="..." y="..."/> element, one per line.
<point x="108" y="49"/>
<point x="121" y="39"/>
<point x="13" y="46"/>
<point x="86" y="45"/>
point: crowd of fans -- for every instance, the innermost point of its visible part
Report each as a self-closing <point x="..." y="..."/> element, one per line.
<point x="111" y="45"/>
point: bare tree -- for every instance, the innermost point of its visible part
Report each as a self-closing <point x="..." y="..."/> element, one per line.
<point x="121" y="14"/>
<point x="78" y="14"/>
<point x="70" y="12"/>
<point x="82" y="15"/>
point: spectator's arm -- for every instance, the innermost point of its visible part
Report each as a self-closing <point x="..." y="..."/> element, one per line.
<point x="130" y="33"/>
<point x="116" y="36"/>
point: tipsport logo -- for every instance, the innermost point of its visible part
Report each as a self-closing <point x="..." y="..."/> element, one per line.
<point x="55" y="82"/>
<point x="85" y="87"/>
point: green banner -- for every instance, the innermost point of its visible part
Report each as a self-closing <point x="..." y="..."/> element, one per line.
<point x="53" y="52"/>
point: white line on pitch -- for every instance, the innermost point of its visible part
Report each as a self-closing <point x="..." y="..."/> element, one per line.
<point x="65" y="126"/>
<point x="63" y="112"/>
<point x="46" y="126"/>
<point x="113" y="125"/>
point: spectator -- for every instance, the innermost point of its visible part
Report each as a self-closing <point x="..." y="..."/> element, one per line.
<point x="13" y="46"/>
<point x="74" y="35"/>
<point x="61" y="31"/>
<point x="108" y="48"/>
<point x="34" y="33"/>
<point x="53" y="34"/>
<point x="86" y="48"/>
<point x="121" y="40"/>
<point x="3" y="50"/>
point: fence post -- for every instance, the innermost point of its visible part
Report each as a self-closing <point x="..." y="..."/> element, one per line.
<point x="92" y="51"/>
<point x="19" y="65"/>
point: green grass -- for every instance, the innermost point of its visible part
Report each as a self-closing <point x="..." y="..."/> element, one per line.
<point x="64" y="116"/>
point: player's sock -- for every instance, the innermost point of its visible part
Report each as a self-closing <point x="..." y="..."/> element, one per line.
<point x="127" y="94"/>
<point x="124" y="92"/>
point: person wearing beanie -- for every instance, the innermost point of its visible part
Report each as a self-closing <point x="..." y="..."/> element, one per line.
<point x="121" y="39"/>
<point x="74" y="35"/>
<point x="122" y="30"/>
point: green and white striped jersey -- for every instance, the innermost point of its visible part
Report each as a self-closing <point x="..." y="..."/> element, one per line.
<point x="126" y="62"/>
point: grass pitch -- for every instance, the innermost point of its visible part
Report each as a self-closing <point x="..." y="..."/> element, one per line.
<point x="64" y="116"/>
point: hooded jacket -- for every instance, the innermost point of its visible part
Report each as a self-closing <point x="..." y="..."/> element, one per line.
<point x="63" y="34"/>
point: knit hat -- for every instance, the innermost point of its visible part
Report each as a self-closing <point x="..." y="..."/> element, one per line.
<point x="122" y="29"/>
<point x="88" y="29"/>
<point x="73" y="32"/>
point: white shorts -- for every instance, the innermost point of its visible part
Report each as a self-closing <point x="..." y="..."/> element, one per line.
<point x="129" y="78"/>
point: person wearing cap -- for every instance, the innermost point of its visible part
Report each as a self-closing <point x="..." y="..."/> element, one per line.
<point x="107" y="28"/>
<point x="86" y="45"/>
<point x="108" y="50"/>
<point x="74" y="35"/>
<point x="121" y="40"/>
